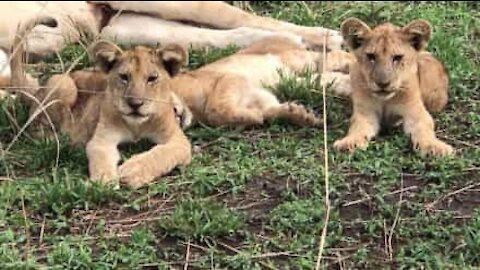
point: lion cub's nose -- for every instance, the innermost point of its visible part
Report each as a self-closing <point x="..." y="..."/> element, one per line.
<point x="135" y="103"/>
<point x="383" y="85"/>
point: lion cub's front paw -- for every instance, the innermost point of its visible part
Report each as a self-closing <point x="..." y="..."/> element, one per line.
<point x="350" y="144"/>
<point x="434" y="147"/>
<point x="105" y="177"/>
<point x="135" y="172"/>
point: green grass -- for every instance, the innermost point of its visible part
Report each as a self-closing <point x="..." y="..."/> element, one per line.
<point x="254" y="198"/>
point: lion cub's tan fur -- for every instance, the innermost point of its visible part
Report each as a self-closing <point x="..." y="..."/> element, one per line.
<point x="138" y="105"/>
<point x="234" y="90"/>
<point x="394" y="77"/>
<point x="131" y="99"/>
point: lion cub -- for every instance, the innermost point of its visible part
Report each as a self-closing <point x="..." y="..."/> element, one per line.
<point x="394" y="77"/>
<point x="138" y="104"/>
<point x="134" y="101"/>
<point x="233" y="91"/>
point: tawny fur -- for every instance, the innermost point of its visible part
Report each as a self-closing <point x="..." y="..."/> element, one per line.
<point x="102" y="118"/>
<point x="148" y="83"/>
<point x="4" y="81"/>
<point x="234" y="90"/>
<point x="433" y="79"/>
<point x="218" y="25"/>
<point x="120" y="21"/>
<point x="394" y="77"/>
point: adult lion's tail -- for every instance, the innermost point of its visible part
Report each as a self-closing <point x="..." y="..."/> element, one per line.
<point x="18" y="79"/>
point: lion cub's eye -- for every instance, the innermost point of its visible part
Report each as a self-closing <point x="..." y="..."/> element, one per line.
<point x="152" y="78"/>
<point x="397" y="58"/>
<point x="371" y="57"/>
<point x="123" y="77"/>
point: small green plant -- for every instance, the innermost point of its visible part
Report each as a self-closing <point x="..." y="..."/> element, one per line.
<point x="198" y="219"/>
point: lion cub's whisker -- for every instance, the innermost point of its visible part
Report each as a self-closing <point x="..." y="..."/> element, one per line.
<point x="93" y="92"/>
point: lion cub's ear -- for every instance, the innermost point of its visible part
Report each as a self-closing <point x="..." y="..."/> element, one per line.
<point x="105" y="54"/>
<point x="354" y="32"/>
<point x="173" y="57"/>
<point x="418" y="34"/>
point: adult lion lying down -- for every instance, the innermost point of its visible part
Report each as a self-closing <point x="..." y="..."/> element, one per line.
<point x="394" y="77"/>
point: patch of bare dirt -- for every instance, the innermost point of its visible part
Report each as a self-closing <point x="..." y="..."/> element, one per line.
<point x="258" y="198"/>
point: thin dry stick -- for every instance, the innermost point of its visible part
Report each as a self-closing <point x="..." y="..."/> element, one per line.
<point x="432" y="204"/>
<point x="459" y="141"/>
<point x="211" y="261"/>
<point x="274" y="254"/>
<point x="239" y="252"/>
<point x="390" y="236"/>
<point x="187" y="256"/>
<point x="385" y="241"/>
<point x="325" y="154"/>
<point x="62" y="65"/>
<point x="91" y="223"/>
<point x="341" y="264"/>
<point x="388" y="194"/>
<point x="42" y="230"/>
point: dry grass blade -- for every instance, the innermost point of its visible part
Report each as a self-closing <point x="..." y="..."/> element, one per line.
<point x="187" y="255"/>
<point x="388" y="194"/>
<point x="430" y="206"/>
<point x="90" y="92"/>
<point x="30" y="120"/>
<point x="397" y="215"/>
<point x="325" y="154"/>
<point x="238" y="252"/>
<point x="42" y="106"/>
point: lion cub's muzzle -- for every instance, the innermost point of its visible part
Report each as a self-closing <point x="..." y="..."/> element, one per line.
<point x="135" y="104"/>
<point x="384" y="93"/>
<point x="383" y="90"/>
<point x="135" y="107"/>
